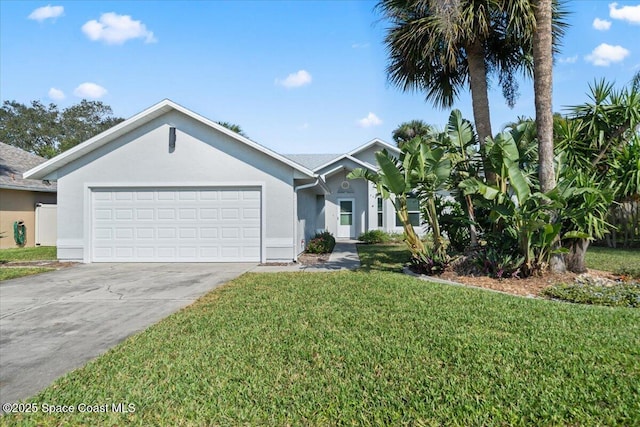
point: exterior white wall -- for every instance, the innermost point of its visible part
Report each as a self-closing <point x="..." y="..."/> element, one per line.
<point x="202" y="157"/>
<point x="358" y="191"/>
<point x="306" y="218"/>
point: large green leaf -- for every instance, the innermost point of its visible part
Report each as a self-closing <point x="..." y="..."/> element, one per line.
<point x="517" y="180"/>
<point x="576" y="235"/>
<point x="391" y="176"/>
<point x="459" y="130"/>
<point x="473" y="186"/>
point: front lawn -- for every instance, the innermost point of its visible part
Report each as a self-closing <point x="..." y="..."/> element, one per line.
<point x="7" y="273"/>
<point x="610" y="259"/>
<point x="383" y="257"/>
<point x="37" y="253"/>
<point x="367" y="349"/>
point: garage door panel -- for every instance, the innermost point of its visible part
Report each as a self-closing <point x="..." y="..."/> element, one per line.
<point x="124" y="214"/>
<point x="144" y="214"/>
<point x="206" y="214"/>
<point x="182" y="225"/>
<point x="209" y="252"/>
<point x="208" y="195"/>
<point x="166" y="233"/>
<point x="166" y="195"/>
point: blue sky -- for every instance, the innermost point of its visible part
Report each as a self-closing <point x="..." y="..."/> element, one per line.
<point x="297" y="76"/>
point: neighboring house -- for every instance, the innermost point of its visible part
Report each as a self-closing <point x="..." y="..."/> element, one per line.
<point x="20" y="199"/>
<point x="169" y="185"/>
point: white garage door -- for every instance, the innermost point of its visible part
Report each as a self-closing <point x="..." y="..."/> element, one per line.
<point x="176" y="225"/>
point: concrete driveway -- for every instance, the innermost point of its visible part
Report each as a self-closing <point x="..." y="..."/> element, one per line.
<point x="55" y="322"/>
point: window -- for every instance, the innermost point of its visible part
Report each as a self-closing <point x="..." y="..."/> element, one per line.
<point x="380" y="218"/>
<point x="413" y="207"/>
<point x="346" y="212"/>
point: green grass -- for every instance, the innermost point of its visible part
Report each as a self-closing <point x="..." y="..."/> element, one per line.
<point x="7" y="273"/>
<point x="366" y="349"/>
<point x="610" y="259"/>
<point x="28" y="254"/>
<point x="383" y="257"/>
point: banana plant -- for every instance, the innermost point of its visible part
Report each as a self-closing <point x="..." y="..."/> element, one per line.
<point x="459" y="141"/>
<point x="419" y="168"/>
<point x="435" y="168"/>
<point x="395" y="180"/>
<point x="514" y="208"/>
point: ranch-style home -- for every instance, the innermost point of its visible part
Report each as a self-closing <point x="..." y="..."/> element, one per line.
<point x="168" y="185"/>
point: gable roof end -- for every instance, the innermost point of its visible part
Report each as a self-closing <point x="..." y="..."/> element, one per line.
<point x="50" y="167"/>
<point x="375" y="141"/>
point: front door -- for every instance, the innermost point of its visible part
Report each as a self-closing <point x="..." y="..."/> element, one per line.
<point x="346" y="223"/>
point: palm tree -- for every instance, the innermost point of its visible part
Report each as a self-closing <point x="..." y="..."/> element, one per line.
<point x="233" y="127"/>
<point x="543" y="90"/>
<point x="406" y="131"/>
<point x="443" y="46"/>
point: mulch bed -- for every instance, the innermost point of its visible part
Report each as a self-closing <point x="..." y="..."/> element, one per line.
<point x="313" y="259"/>
<point x="303" y="259"/>
<point x="530" y="286"/>
<point x="50" y="264"/>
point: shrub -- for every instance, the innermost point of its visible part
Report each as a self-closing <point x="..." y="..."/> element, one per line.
<point x="374" y="236"/>
<point x="321" y="243"/>
<point x="616" y="295"/>
<point x="430" y="263"/>
<point x="396" y="237"/>
<point x="499" y="264"/>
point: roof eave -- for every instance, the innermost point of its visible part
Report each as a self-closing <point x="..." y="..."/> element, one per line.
<point x="164" y="106"/>
<point x="374" y="141"/>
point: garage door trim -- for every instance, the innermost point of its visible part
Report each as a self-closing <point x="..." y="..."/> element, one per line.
<point x="89" y="188"/>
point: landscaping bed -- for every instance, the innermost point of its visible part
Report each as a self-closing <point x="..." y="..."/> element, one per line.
<point x="313" y="259"/>
<point x="529" y="286"/>
<point x="619" y="284"/>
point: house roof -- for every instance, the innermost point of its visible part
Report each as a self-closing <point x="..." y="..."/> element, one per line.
<point x="50" y="167"/>
<point x="13" y="163"/>
<point x="312" y="161"/>
<point x="316" y="162"/>
<point x="375" y="141"/>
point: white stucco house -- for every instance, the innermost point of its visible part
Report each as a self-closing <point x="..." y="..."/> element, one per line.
<point x="168" y="185"/>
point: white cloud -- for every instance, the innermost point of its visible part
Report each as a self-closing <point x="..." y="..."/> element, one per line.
<point x="360" y="45"/>
<point x="117" y="29"/>
<point x="56" y="94"/>
<point x="569" y="59"/>
<point x="303" y="126"/>
<point x="601" y="24"/>
<point x="370" y="120"/>
<point x="630" y="14"/>
<point x="46" y="12"/>
<point x="89" y="90"/>
<point x="605" y="54"/>
<point x="297" y="79"/>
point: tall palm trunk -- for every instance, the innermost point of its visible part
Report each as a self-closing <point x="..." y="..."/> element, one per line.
<point x="543" y="89"/>
<point x="480" y="100"/>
